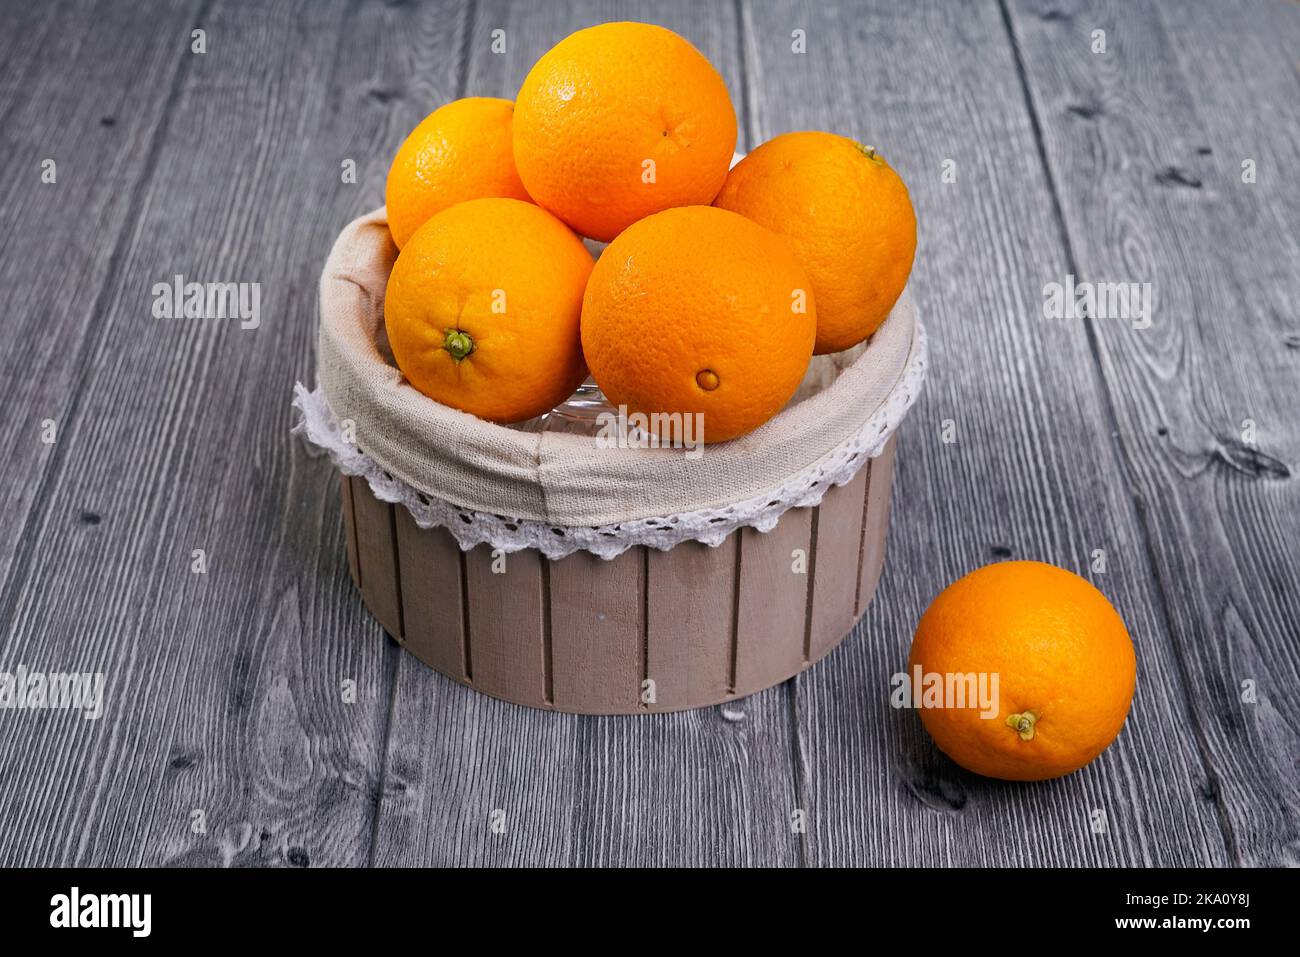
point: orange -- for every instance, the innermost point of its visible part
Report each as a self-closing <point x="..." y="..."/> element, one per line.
<point x="1064" y="664"/>
<point x="482" y="309"/>
<point x="848" y="216"/>
<point x="459" y="151"/>
<point x="698" y="310"/>
<point x="619" y="121"/>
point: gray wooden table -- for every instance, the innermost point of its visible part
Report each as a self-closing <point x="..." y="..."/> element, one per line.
<point x="1161" y="461"/>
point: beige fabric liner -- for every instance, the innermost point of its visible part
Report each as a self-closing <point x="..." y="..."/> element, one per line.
<point x="555" y="477"/>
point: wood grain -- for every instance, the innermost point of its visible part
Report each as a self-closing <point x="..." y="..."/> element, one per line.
<point x="1203" y="402"/>
<point x="1030" y="474"/>
<point x="256" y="693"/>
<point x="62" y="242"/>
<point x="263" y="695"/>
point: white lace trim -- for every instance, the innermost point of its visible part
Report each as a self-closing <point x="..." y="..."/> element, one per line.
<point x="709" y="525"/>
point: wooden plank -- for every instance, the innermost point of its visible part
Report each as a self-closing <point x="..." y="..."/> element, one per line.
<point x="256" y="692"/>
<point x="774" y="589"/>
<point x="1031" y="473"/>
<point x="690" y="614"/>
<point x="1203" y="401"/>
<point x="230" y="683"/>
<point x="507" y="624"/>
<point x="598" y="637"/>
<point x="63" y="241"/>
<point x="376" y="535"/>
<point x="473" y="781"/>
<point x="25" y="32"/>
<point x="875" y="523"/>
<point x="836" y="565"/>
<point x="349" y="527"/>
<point x="432" y="613"/>
<point x="704" y="787"/>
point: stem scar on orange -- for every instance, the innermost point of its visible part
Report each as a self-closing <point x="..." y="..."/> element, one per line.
<point x="482" y="309"/>
<point x="1064" y="665"/>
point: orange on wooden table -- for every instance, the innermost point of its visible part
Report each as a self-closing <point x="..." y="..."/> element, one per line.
<point x="619" y="121"/>
<point x="460" y="151"/>
<point x="698" y="310"/>
<point x="848" y="216"/>
<point x="482" y="309"/>
<point x="1064" y="663"/>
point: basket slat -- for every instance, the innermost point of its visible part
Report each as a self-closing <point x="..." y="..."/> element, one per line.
<point x="506" y="656"/>
<point x="376" y="546"/>
<point x="690" y="612"/>
<point x="876" y="522"/>
<point x="836" y="567"/>
<point x="349" y="527"/>
<point x="597" y="632"/>
<point x="773" y="602"/>
<point x="432" y="612"/>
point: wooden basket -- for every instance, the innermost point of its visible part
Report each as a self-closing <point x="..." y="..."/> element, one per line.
<point x="647" y="631"/>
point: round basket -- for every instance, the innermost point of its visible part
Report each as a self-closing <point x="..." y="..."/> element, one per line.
<point x="560" y="571"/>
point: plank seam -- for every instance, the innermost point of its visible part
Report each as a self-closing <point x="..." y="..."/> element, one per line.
<point x="394" y="662"/>
<point x="1112" y="415"/>
<point x="397" y="571"/>
<point x="862" y="539"/>
<point x="734" y="651"/>
<point x="466" y="40"/>
<point x="645" y="625"/>
<point x="356" y="545"/>
<point x="548" y="646"/>
<point x="797" y="765"/>
<point x="464" y="617"/>
<point x="811" y="572"/>
<point x="743" y="69"/>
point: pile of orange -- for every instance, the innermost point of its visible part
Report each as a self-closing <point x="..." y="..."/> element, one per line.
<point x="716" y="288"/>
<point x="718" y="285"/>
